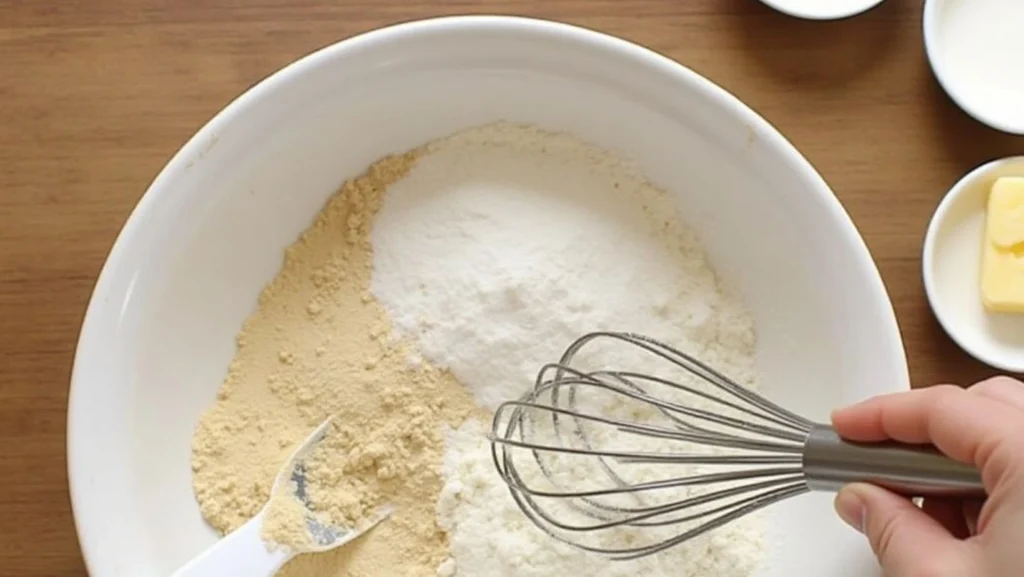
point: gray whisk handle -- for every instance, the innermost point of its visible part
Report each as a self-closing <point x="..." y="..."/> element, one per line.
<point x="830" y="462"/>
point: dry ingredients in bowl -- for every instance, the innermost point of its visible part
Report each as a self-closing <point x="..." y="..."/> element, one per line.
<point x="316" y="346"/>
<point x="428" y="290"/>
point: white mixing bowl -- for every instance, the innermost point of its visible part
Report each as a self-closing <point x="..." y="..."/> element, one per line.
<point x="188" y="266"/>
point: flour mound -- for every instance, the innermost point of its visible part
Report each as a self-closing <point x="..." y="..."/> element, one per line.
<point x="505" y="243"/>
<point x="501" y="246"/>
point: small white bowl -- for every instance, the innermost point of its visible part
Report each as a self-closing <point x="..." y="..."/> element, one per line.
<point x="976" y="27"/>
<point x="952" y="268"/>
<point x="822" y="10"/>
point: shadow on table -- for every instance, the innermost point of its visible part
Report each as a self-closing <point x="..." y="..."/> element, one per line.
<point x="946" y="361"/>
<point x="822" y="55"/>
<point x="966" y="141"/>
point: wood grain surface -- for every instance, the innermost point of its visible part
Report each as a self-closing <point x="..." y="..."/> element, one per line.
<point x="95" y="96"/>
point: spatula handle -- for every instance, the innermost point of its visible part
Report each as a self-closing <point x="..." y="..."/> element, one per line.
<point x="241" y="553"/>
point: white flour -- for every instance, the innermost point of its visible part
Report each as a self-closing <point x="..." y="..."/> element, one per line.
<point x="503" y="245"/>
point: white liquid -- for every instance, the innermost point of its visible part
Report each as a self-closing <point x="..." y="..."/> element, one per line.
<point x="981" y="46"/>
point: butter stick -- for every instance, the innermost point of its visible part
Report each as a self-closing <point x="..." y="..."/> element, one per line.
<point x="1002" y="270"/>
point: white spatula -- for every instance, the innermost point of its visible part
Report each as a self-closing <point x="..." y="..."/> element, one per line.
<point x="244" y="553"/>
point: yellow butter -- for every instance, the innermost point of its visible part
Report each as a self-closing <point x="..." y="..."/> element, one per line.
<point x="1002" y="269"/>
<point x="1006" y="212"/>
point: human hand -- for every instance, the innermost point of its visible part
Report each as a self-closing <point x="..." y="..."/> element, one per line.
<point x="982" y="425"/>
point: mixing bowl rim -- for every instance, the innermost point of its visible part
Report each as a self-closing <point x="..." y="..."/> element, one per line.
<point x="86" y="525"/>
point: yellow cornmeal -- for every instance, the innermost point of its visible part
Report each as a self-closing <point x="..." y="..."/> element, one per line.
<point x="284" y="521"/>
<point x="317" y="346"/>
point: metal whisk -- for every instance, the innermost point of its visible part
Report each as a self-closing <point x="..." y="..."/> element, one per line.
<point x="630" y="463"/>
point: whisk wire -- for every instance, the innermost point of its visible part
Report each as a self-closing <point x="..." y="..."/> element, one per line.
<point x="627" y="464"/>
<point x="691" y="365"/>
<point x="798" y="430"/>
<point x="710" y="439"/>
<point x="553" y="424"/>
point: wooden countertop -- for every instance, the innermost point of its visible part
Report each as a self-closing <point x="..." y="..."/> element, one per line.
<point x="96" y="96"/>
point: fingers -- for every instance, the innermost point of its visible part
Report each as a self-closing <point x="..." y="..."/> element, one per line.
<point x="983" y="425"/>
<point x="1009" y="392"/>
<point x="972" y="427"/>
<point x="906" y="540"/>
<point x="878" y="418"/>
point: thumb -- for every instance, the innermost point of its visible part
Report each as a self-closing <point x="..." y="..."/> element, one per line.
<point x="906" y="540"/>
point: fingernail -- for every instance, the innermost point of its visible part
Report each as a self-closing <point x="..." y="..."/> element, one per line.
<point x="850" y="509"/>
